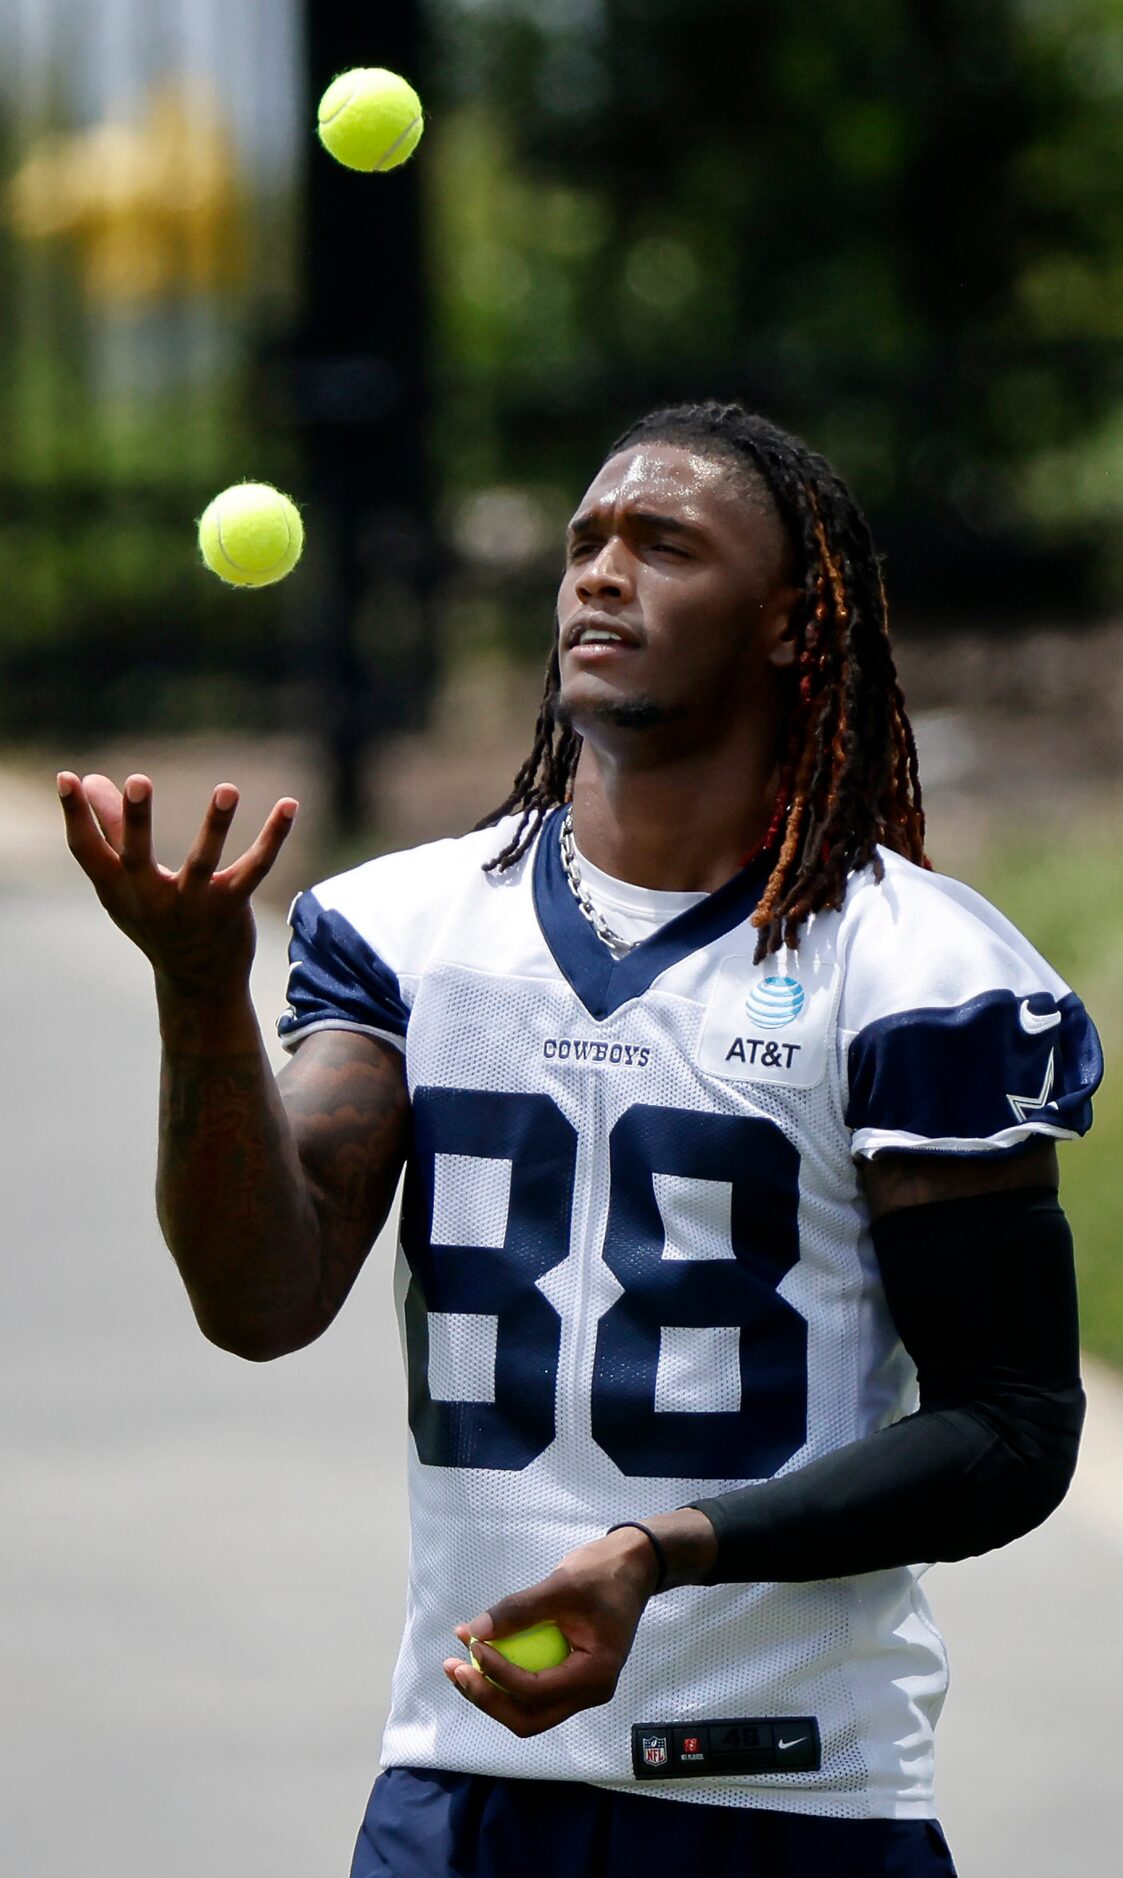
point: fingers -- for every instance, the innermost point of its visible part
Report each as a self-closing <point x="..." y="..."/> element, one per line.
<point x="594" y="1604"/>
<point x="206" y="850"/>
<point x="532" y="1686"/>
<point x="107" y="828"/>
<point x="124" y="819"/>
<point x="525" y="1703"/>
<point x="106" y="802"/>
<point x="85" y="832"/>
<point x="246" y="874"/>
<point x="135" y="844"/>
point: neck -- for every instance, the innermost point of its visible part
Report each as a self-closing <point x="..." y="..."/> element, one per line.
<point x="659" y="828"/>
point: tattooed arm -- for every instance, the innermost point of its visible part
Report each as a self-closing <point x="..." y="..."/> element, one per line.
<point x="269" y="1192"/>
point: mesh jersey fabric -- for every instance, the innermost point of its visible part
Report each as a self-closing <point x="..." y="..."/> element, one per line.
<point x="635" y="1265"/>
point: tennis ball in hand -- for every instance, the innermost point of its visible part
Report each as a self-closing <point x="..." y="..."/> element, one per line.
<point x="370" y="119"/>
<point x="251" y="535"/>
<point x="540" y="1647"/>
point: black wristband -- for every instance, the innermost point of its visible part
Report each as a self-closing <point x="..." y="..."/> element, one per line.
<point x="656" y="1546"/>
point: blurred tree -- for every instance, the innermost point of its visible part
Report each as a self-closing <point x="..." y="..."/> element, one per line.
<point x="897" y="225"/>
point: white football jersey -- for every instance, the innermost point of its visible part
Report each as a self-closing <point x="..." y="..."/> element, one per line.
<point x="635" y="1270"/>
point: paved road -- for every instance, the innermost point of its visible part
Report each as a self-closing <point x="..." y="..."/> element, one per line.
<point x="200" y="1585"/>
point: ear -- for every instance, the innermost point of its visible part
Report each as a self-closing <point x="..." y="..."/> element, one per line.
<point x="782" y="626"/>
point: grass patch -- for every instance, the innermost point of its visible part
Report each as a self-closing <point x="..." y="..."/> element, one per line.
<point x="1066" y="895"/>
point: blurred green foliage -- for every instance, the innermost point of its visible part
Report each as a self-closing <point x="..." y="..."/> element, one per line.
<point x="1071" y="905"/>
<point x="118" y="422"/>
<point x="896" y="225"/>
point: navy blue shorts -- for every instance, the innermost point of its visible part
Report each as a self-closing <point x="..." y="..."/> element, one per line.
<point x="424" y="1824"/>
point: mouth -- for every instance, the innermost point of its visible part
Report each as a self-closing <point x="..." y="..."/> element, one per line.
<point x="598" y="633"/>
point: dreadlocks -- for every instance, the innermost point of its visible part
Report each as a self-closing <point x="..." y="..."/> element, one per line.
<point x="848" y="774"/>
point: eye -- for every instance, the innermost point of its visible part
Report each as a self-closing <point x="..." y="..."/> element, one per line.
<point x="668" y="547"/>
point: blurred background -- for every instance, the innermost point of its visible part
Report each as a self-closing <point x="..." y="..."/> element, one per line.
<point x="894" y="225"/>
<point x="897" y="227"/>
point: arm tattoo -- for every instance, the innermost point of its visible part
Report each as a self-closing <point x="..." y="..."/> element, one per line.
<point x="213" y="1116"/>
<point x="270" y="1192"/>
<point x="348" y="1108"/>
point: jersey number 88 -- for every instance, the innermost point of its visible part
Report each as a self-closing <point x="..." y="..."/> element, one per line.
<point x="730" y="1287"/>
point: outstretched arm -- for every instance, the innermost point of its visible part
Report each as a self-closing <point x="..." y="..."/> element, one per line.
<point x="269" y="1191"/>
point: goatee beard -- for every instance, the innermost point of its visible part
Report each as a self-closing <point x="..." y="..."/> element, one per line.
<point x="627" y="714"/>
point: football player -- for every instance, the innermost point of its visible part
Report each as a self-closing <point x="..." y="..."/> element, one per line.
<point x="734" y="1284"/>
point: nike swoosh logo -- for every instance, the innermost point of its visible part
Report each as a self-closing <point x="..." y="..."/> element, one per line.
<point x="1032" y="1024"/>
<point x="781" y="1744"/>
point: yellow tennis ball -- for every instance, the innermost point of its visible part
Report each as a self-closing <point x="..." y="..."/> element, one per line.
<point x="251" y="535"/>
<point x="541" y="1647"/>
<point x="370" y="119"/>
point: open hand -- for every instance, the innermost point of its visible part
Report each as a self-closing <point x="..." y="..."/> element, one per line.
<point x="194" y="925"/>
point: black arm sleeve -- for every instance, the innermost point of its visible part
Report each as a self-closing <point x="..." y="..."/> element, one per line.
<point x="983" y="1295"/>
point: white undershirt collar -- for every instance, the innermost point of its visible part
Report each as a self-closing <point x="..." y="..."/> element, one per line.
<point x="634" y="912"/>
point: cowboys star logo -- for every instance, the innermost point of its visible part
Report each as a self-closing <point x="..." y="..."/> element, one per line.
<point x="1026" y="1105"/>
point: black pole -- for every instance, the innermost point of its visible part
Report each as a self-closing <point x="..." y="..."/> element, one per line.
<point x="358" y="382"/>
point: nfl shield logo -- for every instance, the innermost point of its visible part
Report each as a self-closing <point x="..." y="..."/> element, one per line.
<point x="655" y="1750"/>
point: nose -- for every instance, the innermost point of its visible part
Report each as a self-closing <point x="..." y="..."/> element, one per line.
<point x="608" y="575"/>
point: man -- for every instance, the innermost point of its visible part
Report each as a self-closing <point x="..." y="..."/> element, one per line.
<point x="730" y="1137"/>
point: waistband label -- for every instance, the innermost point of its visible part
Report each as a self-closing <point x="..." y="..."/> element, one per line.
<point x="753" y="1745"/>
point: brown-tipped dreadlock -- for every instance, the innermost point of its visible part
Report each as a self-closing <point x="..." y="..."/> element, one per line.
<point x="848" y="776"/>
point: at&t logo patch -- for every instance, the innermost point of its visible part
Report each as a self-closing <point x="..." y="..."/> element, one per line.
<point x="768" y="1026"/>
<point x="775" y="1001"/>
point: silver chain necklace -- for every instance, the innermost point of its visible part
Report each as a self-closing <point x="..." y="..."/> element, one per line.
<point x="581" y="893"/>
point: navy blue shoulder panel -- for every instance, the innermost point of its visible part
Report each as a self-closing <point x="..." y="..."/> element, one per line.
<point x="974" y="1070"/>
<point x="336" y="975"/>
<point x="602" y="982"/>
